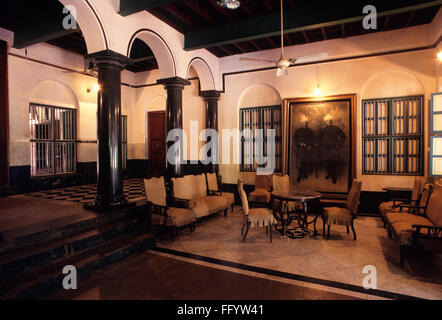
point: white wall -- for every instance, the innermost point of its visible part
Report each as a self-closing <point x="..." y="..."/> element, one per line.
<point x="30" y="81"/>
<point x="380" y="76"/>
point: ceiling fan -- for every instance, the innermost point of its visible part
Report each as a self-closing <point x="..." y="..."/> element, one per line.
<point x="283" y="63"/>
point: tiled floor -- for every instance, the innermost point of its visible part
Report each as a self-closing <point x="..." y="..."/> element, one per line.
<point x="339" y="259"/>
<point x="133" y="190"/>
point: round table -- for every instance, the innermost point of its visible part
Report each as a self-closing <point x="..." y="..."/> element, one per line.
<point x="310" y="201"/>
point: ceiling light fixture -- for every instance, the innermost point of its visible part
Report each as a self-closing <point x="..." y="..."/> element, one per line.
<point x="318" y="91"/>
<point x="229" y="4"/>
<point x="96" y="87"/>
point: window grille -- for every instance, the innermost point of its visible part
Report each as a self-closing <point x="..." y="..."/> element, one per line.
<point x="392" y="136"/>
<point x="268" y="117"/>
<point x="53" y="140"/>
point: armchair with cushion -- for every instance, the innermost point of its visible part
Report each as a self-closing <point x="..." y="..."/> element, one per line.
<point x="162" y="214"/>
<point x="261" y="196"/>
<point x="255" y="217"/>
<point x="420" y="226"/>
<point x="343" y="216"/>
<point x="191" y="190"/>
<point x="214" y="186"/>
<point x="282" y="183"/>
<point x="394" y="204"/>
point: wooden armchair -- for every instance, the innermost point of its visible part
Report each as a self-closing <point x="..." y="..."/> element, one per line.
<point x="261" y="196"/>
<point x="421" y="226"/>
<point x="394" y="204"/>
<point x="163" y="213"/>
<point x="214" y="187"/>
<point x="255" y="217"/>
<point x="344" y="216"/>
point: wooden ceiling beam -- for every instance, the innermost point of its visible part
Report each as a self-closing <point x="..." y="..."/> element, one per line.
<point x="301" y="19"/>
<point x="200" y="10"/>
<point x="171" y="8"/>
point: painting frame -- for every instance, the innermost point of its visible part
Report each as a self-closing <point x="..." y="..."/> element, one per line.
<point x="289" y="103"/>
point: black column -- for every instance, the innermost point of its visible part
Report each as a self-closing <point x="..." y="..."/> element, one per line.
<point x="174" y="119"/>
<point x="4" y="117"/>
<point x="109" y="169"/>
<point x="211" y="99"/>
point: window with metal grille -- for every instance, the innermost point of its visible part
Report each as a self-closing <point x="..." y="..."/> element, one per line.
<point x="392" y="136"/>
<point x="124" y="141"/>
<point x="436" y="135"/>
<point x="53" y="144"/>
<point x="268" y="117"/>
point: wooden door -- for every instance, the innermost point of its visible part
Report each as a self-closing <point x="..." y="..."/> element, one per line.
<point x="157" y="143"/>
<point x="4" y="116"/>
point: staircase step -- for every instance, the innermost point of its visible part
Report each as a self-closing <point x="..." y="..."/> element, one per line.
<point x="69" y="229"/>
<point x="42" y="282"/>
<point x="28" y="259"/>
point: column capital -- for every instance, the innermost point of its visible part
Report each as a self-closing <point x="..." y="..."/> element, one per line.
<point x="174" y="82"/>
<point x="210" y="95"/>
<point x="110" y="58"/>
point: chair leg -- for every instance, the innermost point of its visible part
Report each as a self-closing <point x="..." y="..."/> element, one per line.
<point x="328" y="232"/>
<point x="323" y="225"/>
<point x="353" y="229"/>
<point x="232" y="207"/>
<point x="267" y="230"/>
<point x="243" y="228"/>
<point x="225" y="213"/>
<point x="247" y="231"/>
<point x="271" y="237"/>
<point x="348" y="230"/>
<point x="403" y="252"/>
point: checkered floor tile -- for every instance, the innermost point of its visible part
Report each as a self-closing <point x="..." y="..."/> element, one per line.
<point x="133" y="190"/>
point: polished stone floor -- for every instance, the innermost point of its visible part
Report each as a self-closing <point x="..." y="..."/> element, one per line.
<point x="340" y="259"/>
<point x="151" y="276"/>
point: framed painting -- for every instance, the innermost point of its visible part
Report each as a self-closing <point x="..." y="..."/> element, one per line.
<point x="319" y="142"/>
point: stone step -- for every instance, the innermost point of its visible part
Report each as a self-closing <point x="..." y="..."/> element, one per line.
<point x="25" y="260"/>
<point x="46" y="280"/>
<point x="69" y="229"/>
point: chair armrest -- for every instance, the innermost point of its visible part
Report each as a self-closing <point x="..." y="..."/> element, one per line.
<point x="178" y="203"/>
<point x="157" y="209"/>
<point x="214" y="193"/>
<point x="432" y="231"/>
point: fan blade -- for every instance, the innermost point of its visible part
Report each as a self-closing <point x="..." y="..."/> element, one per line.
<point x="311" y="57"/>
<point x="282" y="72"/>
<point x="260" y="60"/>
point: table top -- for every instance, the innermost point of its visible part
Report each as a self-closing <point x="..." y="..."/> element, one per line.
<point x="396" y="189"/>
<point x="295" y="194"/>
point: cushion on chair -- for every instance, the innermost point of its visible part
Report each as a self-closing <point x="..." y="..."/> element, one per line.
<point x="181" y="188"/>
<point x="434" y="209"/>
<point x="335" y="215"/>
<point x="261" y="217"/>
<point x="263" y="181"/>
<point x="155" y="191"/>
<point x="352" y="202"/>
<point x="176" y="217"/>
<point x="230" y="197"/>
<point x="205" y="206"/>
<point x="417" y="188"/>
<point x="385" y="207"/>
<point x="281" y="183"/>
<point x="401" y="226"/>
<point x="393" y="217"/>
<point x="242" y="194"/>
<point x="212" y="182"/>
<point x="199" y="186"/>
<point x="260" y="196"/>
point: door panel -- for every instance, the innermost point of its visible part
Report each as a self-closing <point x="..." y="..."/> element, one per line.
<point x="157" y="143"/>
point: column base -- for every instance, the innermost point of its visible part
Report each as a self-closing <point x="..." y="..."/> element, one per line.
<point x="101" y="207"/>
